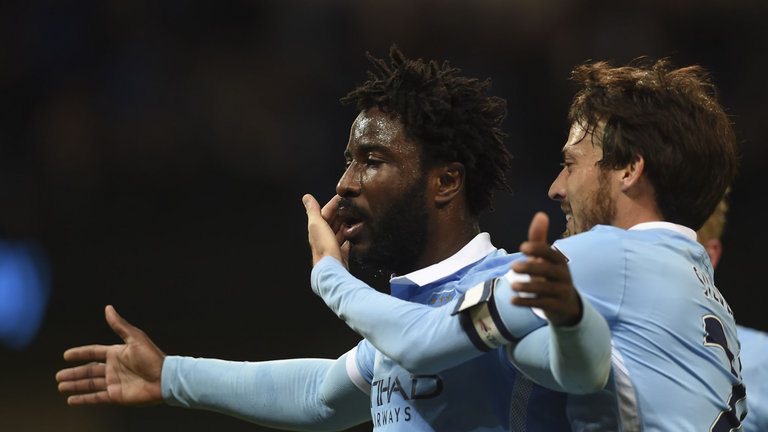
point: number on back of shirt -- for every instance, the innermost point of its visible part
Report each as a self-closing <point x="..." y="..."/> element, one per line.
<point x="730" y="419"/>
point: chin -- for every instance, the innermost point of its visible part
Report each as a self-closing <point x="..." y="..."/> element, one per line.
<point x="358" y="252"/>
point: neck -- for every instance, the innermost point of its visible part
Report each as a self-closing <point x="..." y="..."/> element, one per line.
<point x="632" y="211"/>
<point x="445" y="239"/>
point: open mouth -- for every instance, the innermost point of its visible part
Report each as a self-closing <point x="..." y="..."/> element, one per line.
<point x="568" y="221"/>
<point x="566" y="209"/>
<point x="351" y="224"/>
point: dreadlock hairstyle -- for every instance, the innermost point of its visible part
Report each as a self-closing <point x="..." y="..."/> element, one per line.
<point x="670" y="117"/>
<point x="450" y="116"/>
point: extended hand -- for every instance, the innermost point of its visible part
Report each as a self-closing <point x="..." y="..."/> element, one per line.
<point x="324" y="230"/>
<point x="550" y="277"/>
<point x="127" y="374"/>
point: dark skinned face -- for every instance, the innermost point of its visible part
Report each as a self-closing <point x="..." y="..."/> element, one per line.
<point x="383" y="205"/>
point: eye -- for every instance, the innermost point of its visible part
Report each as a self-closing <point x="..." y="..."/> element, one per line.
<point x="567" y="165"/>
<point x="370" y="160"/>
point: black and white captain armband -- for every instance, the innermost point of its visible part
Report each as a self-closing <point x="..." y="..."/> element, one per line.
<point x="480" y="319"/>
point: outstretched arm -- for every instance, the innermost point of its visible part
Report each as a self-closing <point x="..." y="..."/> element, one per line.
<point x="297" y="394"/>
<point x="399" y="327"/>
<point x="301" y="394"/>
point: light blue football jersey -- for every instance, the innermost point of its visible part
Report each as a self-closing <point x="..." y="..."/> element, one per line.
<point x="675" y="362"/>
<point x="675" y="358"/>
<point x="675" y="352"/>
<point x="476" y="395"/>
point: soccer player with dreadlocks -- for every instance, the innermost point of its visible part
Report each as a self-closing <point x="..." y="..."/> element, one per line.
<point x="424" y="156"/>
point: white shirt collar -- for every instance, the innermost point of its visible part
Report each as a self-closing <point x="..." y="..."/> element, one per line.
<point x="474" y="251"/>
<point x="684" y="230"/>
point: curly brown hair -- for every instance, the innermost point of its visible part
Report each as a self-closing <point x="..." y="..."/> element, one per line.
<point x="450" y="116"/>
<point x="670" y="117"/>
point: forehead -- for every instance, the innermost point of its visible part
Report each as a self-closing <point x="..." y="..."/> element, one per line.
<point x="583" y="140"/>
<point x="374" y="128"/>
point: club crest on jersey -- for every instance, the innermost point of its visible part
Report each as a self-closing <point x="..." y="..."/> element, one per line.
<point x="440" y="298"/>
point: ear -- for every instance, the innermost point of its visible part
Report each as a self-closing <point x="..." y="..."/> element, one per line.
<point x="715" y="250"/>
<point x="449" y="181"/>
<point x="632" y="173"/>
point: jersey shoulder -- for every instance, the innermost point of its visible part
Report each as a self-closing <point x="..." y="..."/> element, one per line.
<point x="602" y="246"/>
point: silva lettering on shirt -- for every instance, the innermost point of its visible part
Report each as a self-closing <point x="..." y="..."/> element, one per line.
<point x="711" y="291"/>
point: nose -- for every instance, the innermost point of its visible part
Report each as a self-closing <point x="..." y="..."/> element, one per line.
<point x="557" y="188"/>
<point x="349" y="183"/>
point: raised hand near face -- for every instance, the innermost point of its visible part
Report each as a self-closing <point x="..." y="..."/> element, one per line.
<point x="324" y="230"/>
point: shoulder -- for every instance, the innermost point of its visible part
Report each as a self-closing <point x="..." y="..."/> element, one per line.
<point x="499" y="258"/>
<point x="605" y="242"/>
<point x="496" y="263"/>
<point x="599" y="244"/>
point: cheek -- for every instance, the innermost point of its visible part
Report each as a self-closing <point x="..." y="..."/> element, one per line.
<point x="375" y="180"/>
<point x="380" y="186"/>
<point x="574" y="188"/>
<point x="579" y="192"/>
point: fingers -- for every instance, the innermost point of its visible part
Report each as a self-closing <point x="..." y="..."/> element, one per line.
<point x="330" y="212"/>
<point x="536" y="247"/>
<point x="86" y="353"/>
<point x="88" y="371"/>
<point x="100" y="397"/>
<point x="542" y="250"/>
<point x="556" y="311"/>
<point x="312" y="208"/>
<point x="87" y="378"/>
<point x="550" y="288"/>
<point x="345" y="253"/>
<point x="544" y="288"/>
<point x="331" y="207"/>
<point x="537" y="230"/>
<point x="561" y="309"/>
<point x="543" y="268"/>
<point x="323" y="241"/>
<point x="126" y="331"/>
<point x="84" y="385"/>
<point x="310" y="205"/>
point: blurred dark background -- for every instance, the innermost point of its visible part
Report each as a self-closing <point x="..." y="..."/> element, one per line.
<point x="153" y="155"/>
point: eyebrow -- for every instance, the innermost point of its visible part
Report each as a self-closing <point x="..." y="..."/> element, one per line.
<point x="366" y="147"/>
